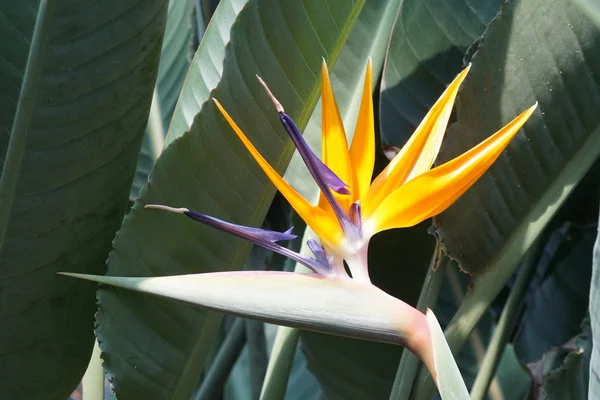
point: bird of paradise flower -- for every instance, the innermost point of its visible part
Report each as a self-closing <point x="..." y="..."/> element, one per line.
<point x="350" y="211"/>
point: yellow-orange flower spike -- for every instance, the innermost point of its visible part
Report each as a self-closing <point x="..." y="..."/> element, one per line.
<point x="407" y="192"/>
<point x="419" y="153"/>
<point x="324" y="224"/>
<point x="432" y="192"/>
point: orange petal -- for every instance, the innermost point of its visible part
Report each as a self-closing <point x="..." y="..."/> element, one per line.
<point x="434" y="191"/>
<point x="326" y="227"/>
<point x="421" y="150"/>
<point x="334" y="145"/>
<point x="362" y="150"/>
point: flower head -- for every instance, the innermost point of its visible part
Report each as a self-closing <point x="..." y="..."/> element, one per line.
<point x="351" y="208"/>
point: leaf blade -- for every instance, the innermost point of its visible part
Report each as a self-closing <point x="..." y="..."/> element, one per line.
<point x="191" y="172"/>
<point x="71" y="192"/>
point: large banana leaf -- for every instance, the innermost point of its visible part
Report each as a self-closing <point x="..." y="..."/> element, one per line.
<point x="175" y="57"/>
<point x="549" y="56"/>
<point x="545" y="51"/>
<point x="559" y="303"/>
<point x="591" y="8"/>
<point x="206" y="69"/>
<point x="71" y="122"/>
<point x="156" y="348"/>
<point x="425" y="53"/>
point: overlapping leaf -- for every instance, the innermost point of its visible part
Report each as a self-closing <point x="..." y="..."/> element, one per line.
<point x="86" y="117"/>
<point x="425" y="53"/>
<point x="544" y="51"/>
<point x="175" y="58"/>
<point x="564" y="371"/>
<point x="156" y="348"/>
<point x="559" y="304"/>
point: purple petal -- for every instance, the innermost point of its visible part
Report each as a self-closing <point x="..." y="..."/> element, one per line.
<point x="246" y="232"/>
<point x="318" y="170"/>
<point x="317" y="250"/>
<point x="355" y="214"/>
<point x="323" y="176"/>
<point x="262" y="237"/>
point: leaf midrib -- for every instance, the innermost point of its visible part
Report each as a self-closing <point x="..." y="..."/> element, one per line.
<point x="17" y="143"/>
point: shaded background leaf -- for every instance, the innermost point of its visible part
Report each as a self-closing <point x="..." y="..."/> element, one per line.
<point x="558" y="305"/>
<point x="348" y="368"/>
<point x="534" y="51"/>
<point x="425" y="54"/>
<point x="92" y="106"/>
<point x="191" y="172"/>
<point x="564" y="371"/>
<point x="594" y="382"/>
<point x="175" y="58"/>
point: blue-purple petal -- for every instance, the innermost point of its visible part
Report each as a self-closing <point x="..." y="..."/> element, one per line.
<point x="317" y="168"/>
<point x="257" y="234"/>
<point x="262" y="237"/>
<point x="325" y="178"/>
<point x="355" y="214"/>
<point x="317" y="250"/>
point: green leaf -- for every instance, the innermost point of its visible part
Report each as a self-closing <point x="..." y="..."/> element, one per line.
<point x="591" y="8"/>
<point x="351" y="368"/>
<point x="493" y="224"/>
<point x="425" y="53"/>
<point x="175" y="58"/>
<point x="72" y="117"/>
<point x="208" y="169"/>
<point x="559" y="303"/>
<point x="594" y="388"/>
<point x="544" y="51"/>
<point x="512" y="69"/>
<point x="206" y="68"/>
<point x="564" y="371"/>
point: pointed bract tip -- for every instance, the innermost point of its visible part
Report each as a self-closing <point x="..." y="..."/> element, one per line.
<point x="166" y="208"/>
<point x="444" y="369"/>
<point x="465" y="71"/>
<point x="72" y="275"/>
<point x="324" y="69"/>
<point x="276" y="102"/>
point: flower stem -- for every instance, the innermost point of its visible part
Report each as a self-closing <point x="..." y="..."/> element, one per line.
<point x="358" y="264"/>
<point x="409" y="363"/>
<point x="505" y="325"/>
